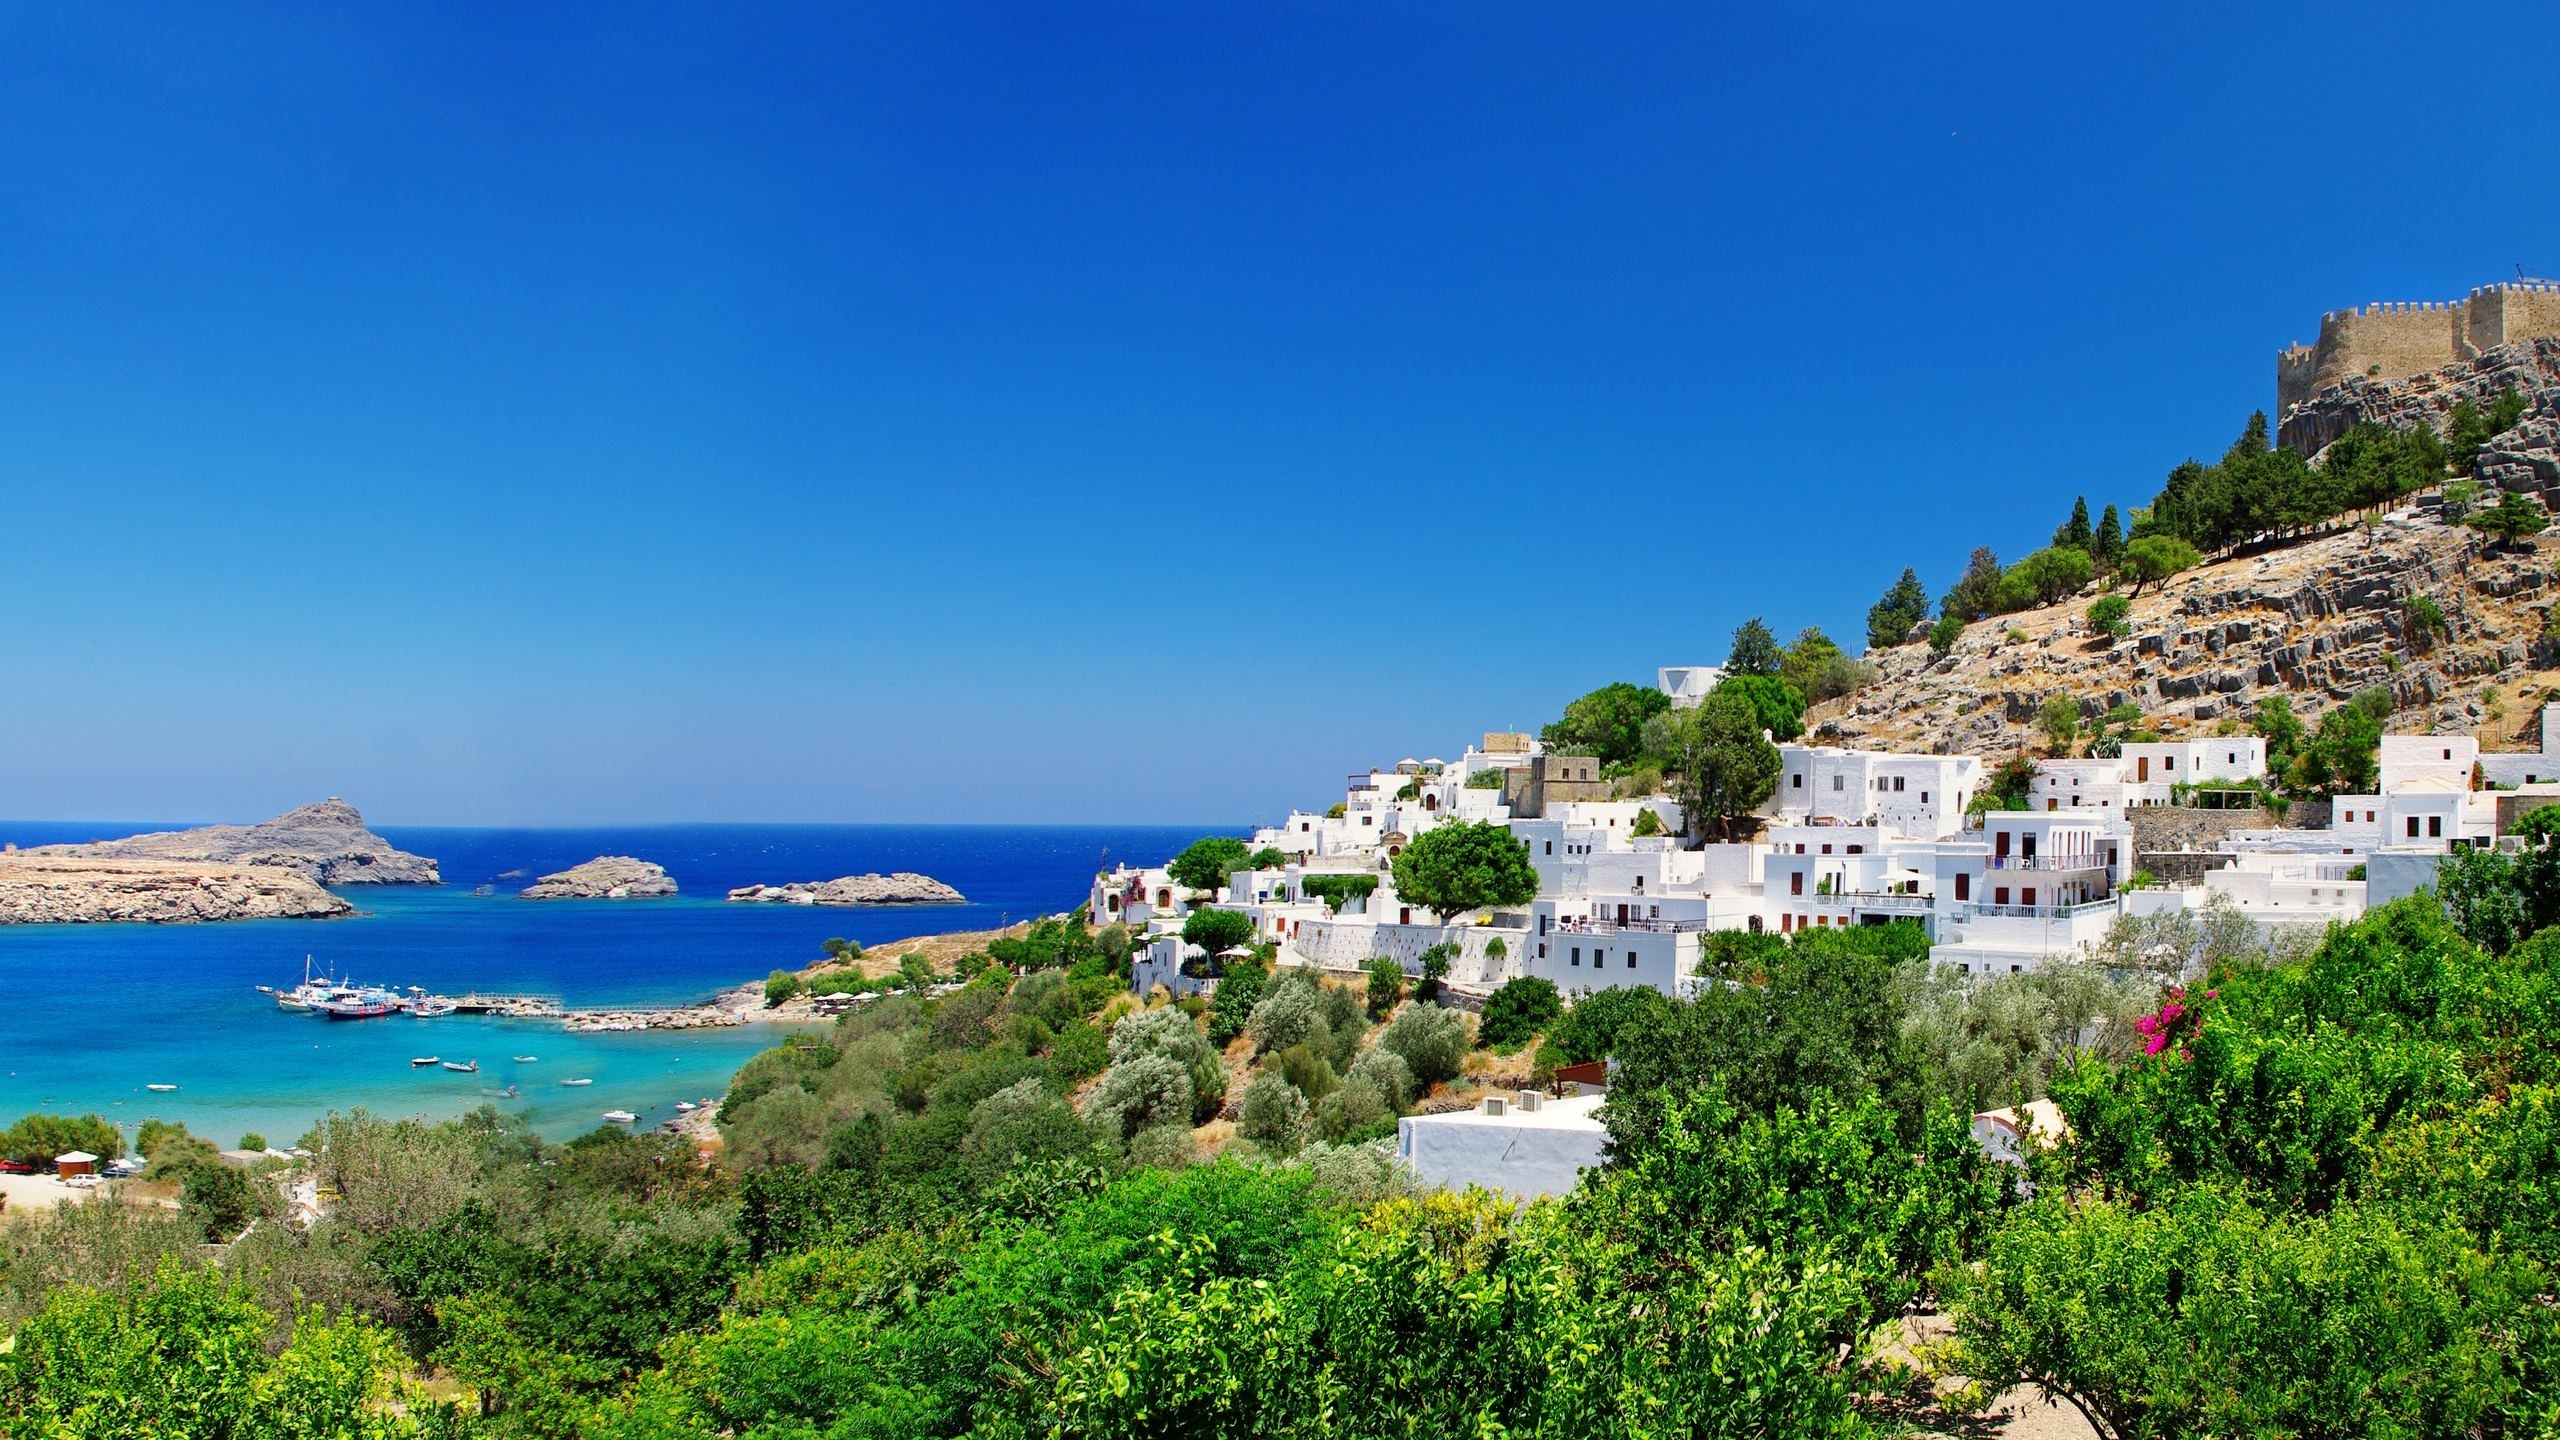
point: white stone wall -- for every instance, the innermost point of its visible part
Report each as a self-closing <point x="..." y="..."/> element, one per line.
<point x="2407" y="759"/>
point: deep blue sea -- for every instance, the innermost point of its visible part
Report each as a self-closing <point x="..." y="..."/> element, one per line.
<point x="91" y="1014"/>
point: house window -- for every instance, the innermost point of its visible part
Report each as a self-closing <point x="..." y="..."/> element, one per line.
<point x="1551" y="847"/>
<point x="1795" y="782"/>
<point x="1836" y="786"/>
<point x="1924" y="797"/>
<point x="2435" y="827"/>
<point x="1542" y="949"/>
<point x="2000" y="895"/>
<point x="2413" y="827"/>
<point x="1857" y="849"/>
<point x="1964" y="886"/>
<point x="1795" y="883"/>
<point x="1577" y="954"/>
<point x="2168" y="762"/>
<point x="2027" y="896"/>
<point x="2448" y="754"/>
<point x="1897" y="784"/>
<point x="1826" y="849"/>
<point x="1631" y="959"/>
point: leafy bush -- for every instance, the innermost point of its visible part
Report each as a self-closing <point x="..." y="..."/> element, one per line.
<point x="1487" y="779"/>
<point x="1945" y="633"/>
<point x="1272" y="1113"/>
<point x="1432" y="1042"/>
<point x="1524" y="1006"/>
<point x="1337" y="891"/>
<point x="2111" y="616"/>
<point x="780" y="986"/>
<point x="1205" y="863"/>
<point x="1217" y="931"/>
<point x="1386" y="985"/>
<point x="1287" y="1015"/>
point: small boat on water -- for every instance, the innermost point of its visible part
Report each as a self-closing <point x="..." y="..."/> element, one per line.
<point x="507" y="1094"/>
<point x="430" y="1007"/>
<point x="463" y="1067"/>
<point x="421" y="1062"/>
<point x="620" y="1117"/>
<point x="161" y="1089"/>
<point x="687" y="1105"/>
<point x="580" y="1081"/>
<point x="522" y="1059"/>
<point x="306" y="995"/>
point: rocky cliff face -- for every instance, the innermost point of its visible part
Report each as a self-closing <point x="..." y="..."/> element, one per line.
<point x="903" y="888"/>
<point x="2524" y="458"/>
<point x="2317" y="622"/>
<point x="37" y="889"/>
<point x="326" y="843"/>
<point x="607" y="877"/>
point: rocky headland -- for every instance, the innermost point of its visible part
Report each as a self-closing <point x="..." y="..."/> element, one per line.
<point x="42" y="889"/>
<point x="324" y="843"/>
<point x="903" y="888"/>
<point x="606" y="877"/>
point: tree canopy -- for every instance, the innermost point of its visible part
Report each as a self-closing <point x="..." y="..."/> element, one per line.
<point x="1755" y="650"/>
<point x="1608" y="723"/>
<point x="1465" y="865"/>
<point x="1891" y="619"/>
<point x="1205" y="863"/>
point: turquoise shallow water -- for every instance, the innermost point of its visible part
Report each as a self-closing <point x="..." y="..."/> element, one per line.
<point x="89" y="1015"/>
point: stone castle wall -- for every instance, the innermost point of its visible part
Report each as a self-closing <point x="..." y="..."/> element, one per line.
<point x="2391" y="342"/>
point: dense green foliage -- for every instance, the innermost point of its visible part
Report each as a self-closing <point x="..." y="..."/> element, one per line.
<point x="1205" y="863"/>
<point x="37" y="1139"/>
<point x="1338" y="890"/>
<point x="1465" y="865"/>
<point x="1517" y="1012"/>
<point x="1608" y="723"/>
<point x="1217" y="931"/>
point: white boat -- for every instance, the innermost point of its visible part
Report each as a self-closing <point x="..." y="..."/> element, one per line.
<point x="421" y="1062"/>
<point x="580" y="1081"/>
<point x="521" y="1059"/>
<point x="687" y="1106"/>
<point x="464" y="1067"/>
<point x="162" y="1089"/>
<point x="431" y="1007"/>
<point x="620" y="1117"/>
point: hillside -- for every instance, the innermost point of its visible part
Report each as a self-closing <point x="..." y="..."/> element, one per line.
<point x="2317" y="621"/>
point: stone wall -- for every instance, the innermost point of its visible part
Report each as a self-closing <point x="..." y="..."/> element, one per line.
<point x="2395" y="341"/>
<point x="2526" y="457"/>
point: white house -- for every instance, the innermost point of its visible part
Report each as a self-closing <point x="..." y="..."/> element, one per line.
<point x="1525" y="1146"/>
<point x="1687" y="685"/>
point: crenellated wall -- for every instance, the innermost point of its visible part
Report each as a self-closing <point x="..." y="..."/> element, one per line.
<point x="2391" y="341"/>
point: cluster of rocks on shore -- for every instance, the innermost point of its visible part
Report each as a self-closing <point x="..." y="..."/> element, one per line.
<point x="607" y="877"/>
<point x="902" y="888"/>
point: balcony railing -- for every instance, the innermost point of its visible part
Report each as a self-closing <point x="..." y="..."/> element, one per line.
<point x="2048" y="862"/>
<point x="1598" y="926"/>
<point x="2034" y="912"/>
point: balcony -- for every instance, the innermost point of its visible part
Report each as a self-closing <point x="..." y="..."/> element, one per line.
<point x="2033" y="912"/>
<point x="2047" y="862"/>
<point x="1595" y="926"/>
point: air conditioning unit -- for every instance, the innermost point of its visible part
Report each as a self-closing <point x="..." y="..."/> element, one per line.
<point x="1532" y="1100"/>
<point x="1494" y="1105"/>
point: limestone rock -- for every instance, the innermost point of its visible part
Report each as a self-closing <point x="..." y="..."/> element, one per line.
<point x="40" y="889"/>
<point x="326" y="843"/>
<point x="606" y="877"/>
<point x="903" y="888"/>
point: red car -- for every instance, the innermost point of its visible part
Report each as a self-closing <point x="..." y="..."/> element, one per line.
<point x="16" y="1167"/>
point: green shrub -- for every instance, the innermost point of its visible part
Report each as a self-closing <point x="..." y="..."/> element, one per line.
<point x="1432" y="1042"/>
<point x="1523" y="1007"/>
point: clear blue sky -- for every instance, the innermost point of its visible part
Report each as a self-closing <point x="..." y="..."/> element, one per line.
<point x="559" y="414"/>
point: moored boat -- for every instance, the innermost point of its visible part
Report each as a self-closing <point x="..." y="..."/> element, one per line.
<point x="522" y="1059"/>
<point x="345" y="1003"/>
<point x="580" y="1081"/>
<point x="429" y="1007"/>
<point x="687" y="1105"/>
<point x="463" y="1067"/>
<point x="620" y="1117"/>
<point x="162" y="1089"/>
<point x="421" y="1062"/>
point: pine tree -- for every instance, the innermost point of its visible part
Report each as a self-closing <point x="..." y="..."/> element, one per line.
<point x="2075" y="531"/>
<point x="1890" y="619"/>
<point x="2108" y="544"/>
<point x="1755" y="650"/>
<point x="1971" y="597"/>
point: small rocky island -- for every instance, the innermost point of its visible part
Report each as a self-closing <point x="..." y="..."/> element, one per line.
<point x="324" y="843"/>
<point x="903" y="888"/>
<point x="606" y="877"/>
<point x="49" y="889"/>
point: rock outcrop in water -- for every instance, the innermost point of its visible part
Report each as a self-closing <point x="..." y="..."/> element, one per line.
<point x="326" y="843"/>
<point x="606" y="877"/>
<point x="903" y="888"/>
<point x="39" y="889"/>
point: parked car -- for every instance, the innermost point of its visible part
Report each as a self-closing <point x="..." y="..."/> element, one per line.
<point x="16" y="1167"/>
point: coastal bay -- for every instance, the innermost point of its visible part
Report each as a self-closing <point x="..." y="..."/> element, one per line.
<point x="99" y="1012"/>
